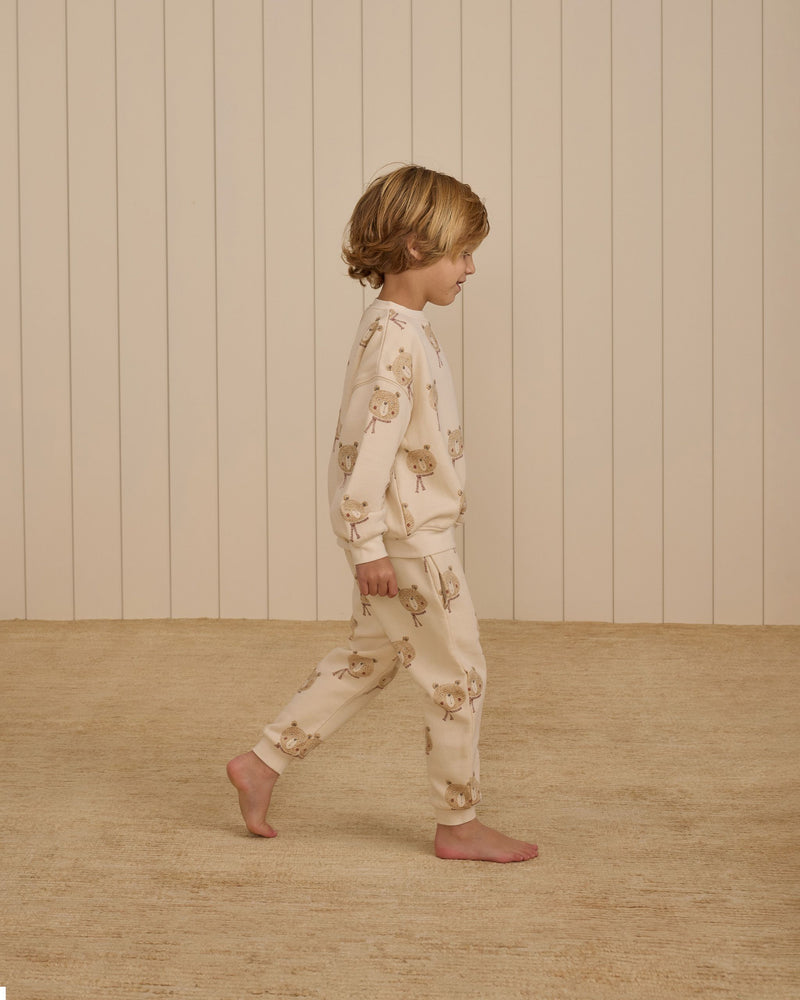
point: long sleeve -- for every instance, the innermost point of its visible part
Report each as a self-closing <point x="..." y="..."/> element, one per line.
<point x="396" y="472"/>
<point x="376" y="410"/>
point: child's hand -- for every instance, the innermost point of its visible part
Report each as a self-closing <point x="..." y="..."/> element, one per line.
<point x="377" y="578"/>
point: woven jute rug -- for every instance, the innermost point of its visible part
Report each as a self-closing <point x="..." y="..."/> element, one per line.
<point x="656" y="766"/>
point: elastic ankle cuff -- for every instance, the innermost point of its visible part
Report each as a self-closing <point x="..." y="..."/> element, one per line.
<point x="271" y="756"/>
<point x="453" y="817"/>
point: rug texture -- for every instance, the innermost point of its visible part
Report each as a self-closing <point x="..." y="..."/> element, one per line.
<point x="656" y="767"/>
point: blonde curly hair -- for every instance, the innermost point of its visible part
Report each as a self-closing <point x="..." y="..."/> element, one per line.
<point x="412" y="206"/>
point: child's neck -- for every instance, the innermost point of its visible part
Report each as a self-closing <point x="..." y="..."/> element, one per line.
<point x="403" y="289"/>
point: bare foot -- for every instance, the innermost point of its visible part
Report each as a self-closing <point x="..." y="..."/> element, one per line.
<point x="254" y="781"/>
<point x="472" y="841"/>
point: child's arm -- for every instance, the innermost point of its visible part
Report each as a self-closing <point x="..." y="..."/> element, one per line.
<point x="377" y="578"/>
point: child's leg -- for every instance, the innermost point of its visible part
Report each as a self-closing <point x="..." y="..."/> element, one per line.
<point x="339" y="686"/>
<point x="430" y="629"/>
<point x="432" y="623"/>
<point x="345" y="681"/>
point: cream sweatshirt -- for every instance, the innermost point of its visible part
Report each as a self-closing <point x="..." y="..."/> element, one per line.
<point x="396" y="474"/>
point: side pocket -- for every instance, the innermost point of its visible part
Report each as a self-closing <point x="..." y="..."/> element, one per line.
<point x="399" y="520"/>
<point x="444" y="578"/>
<point x="434" y="576"/>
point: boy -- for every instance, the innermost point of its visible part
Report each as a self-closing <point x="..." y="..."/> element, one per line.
<point x="396" y="488"/>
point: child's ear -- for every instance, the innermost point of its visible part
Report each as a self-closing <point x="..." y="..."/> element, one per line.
<point x="411" y="246"/>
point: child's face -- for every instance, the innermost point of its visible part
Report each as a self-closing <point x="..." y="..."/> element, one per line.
<point x="441" y="281"/>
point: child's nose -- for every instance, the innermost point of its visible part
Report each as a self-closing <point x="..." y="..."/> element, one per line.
<point x="470" y="265"/>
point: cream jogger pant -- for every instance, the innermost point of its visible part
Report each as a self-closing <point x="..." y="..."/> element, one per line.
<point x="429" y="630"/>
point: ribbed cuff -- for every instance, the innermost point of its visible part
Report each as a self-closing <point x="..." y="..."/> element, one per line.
<point x="368" y="552"/>
<point x="271" y="755"/>
<point x="454" y="817"/>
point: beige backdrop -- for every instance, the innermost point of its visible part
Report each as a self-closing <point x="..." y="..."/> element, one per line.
<point x="175" y="176"/>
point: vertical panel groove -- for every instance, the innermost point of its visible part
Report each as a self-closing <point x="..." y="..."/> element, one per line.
<point x="563" y="334"/>
<point x="167" y="315"/>
<point x="119" y="321"/>
<point x="663" y="407"/>
<point x="363" y="98"/>
<point x="763" y="335"/>
<point x="317" y="456"/>
<point x="461" y="177"/>
<point x="411" y="72"/>
<point x="69" y="306"/>
<point x="611" y="276"/>
<point x="216" y="290"/>
<point x="511" y="257"/>
<point x="21" y="338"/>
<point x="266" y="333"/>
<point x="713" y="345"/>
<point x="661" y="284"/>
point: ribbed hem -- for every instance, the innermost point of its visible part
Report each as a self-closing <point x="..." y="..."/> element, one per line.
<point x="421" y="543"/>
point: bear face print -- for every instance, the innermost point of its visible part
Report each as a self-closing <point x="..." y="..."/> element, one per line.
<point x="422" y="463"/>
<point x="354" y="512"/>
<point x="455" y="444"/>
<point x="358" y="666"/>
<point x="451" y="587"/>
<point x="294" y="742"/>
<point x="433" y="342"/>
<point x="405" y="651"/>
<point x="450" y="697"/>
<point x="474" y="687"/>
<point x="403" y="370"/>
<point x="414" y="603"/>
<point x="348" y="453"/>
<point x="463" y="796"/>
<point x="384" y="407"/>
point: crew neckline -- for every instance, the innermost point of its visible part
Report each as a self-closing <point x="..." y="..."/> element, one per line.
<point x="416" y="313"/>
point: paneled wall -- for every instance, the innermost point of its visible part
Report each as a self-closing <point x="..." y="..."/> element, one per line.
<point x="175" y="178"/>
